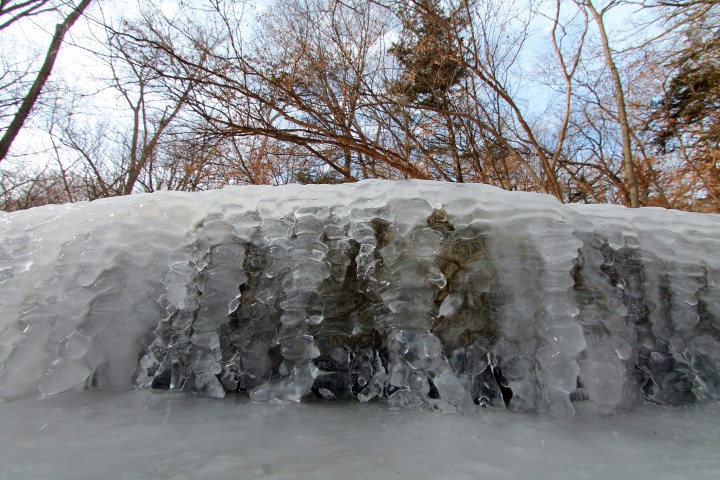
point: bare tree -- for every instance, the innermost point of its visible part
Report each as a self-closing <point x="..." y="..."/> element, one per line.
<point x="43" y="74"/>
<point x="29" y="187"/>
<point x="119" y="155"/>
<point x="598" y="16"/>
<point x="302" y="83"/>
<point x="12" y="11"/>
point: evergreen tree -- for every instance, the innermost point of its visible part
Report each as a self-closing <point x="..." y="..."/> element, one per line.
<point x="428" y="52"/>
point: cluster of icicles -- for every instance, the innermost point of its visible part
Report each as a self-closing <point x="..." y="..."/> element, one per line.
<point x="420" y="294"/>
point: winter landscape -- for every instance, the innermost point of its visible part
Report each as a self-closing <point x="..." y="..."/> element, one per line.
<point x="330" y="239"/>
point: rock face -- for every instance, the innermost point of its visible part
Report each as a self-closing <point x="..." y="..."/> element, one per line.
<point x="425" y="294"/>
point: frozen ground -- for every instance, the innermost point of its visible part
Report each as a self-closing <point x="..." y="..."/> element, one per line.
<point x="145" y="435"/>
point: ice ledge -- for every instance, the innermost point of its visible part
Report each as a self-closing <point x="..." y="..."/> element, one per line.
<point x="426" y="294"/>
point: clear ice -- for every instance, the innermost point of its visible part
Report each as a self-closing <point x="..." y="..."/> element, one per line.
<point x="421" y="294"/>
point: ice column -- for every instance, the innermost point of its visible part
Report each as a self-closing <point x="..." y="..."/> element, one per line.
<point x="371" y="232"/>
<point x="607" y="289"/>
<point x="202" y="290"/>
<point x="300" y="260"/>
<point x="419" y="374"/>
<point x="468" y="321"/>
<point x="533" y="250"/>
<point x="682" y="358"/>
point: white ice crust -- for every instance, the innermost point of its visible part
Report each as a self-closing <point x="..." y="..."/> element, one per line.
<point x="593" y="307"/>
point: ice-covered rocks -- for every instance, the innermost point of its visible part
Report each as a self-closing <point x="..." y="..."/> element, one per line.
<point x="422" y="294"/>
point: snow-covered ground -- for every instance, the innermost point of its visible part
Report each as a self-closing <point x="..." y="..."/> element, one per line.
<point x="145" y="434"/>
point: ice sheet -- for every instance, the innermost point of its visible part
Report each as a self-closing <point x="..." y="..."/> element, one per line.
<point x="146" y="435"/>
<point x="428" y="295"/>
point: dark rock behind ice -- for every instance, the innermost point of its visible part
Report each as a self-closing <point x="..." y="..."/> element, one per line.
<point x="423" y="294"/>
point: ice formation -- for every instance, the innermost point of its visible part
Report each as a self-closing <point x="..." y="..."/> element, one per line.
<point x="429" y="295"/>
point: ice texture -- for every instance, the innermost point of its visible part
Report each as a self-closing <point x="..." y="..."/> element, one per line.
<point x="149" y="435"/>
<point x="421" y="294"/>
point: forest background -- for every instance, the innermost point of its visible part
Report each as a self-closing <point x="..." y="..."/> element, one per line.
<point x="597" y="101"/>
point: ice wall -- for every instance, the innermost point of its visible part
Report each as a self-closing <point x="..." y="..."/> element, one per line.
<point x="429" y="295"/>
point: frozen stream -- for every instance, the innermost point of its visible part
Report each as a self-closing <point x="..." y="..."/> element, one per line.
<point x="144" y="434"/>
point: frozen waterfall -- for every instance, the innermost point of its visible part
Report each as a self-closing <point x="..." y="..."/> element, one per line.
<point x="422" y="294"/>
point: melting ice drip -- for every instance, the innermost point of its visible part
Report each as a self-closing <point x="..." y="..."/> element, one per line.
<point x="428" y="295"/>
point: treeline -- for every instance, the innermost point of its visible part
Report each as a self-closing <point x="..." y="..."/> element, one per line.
<point x="614" y="101"/>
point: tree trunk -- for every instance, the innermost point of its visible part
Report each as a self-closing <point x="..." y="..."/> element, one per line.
<point x="36" y="89"/>
<point x="628" y="163"/>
